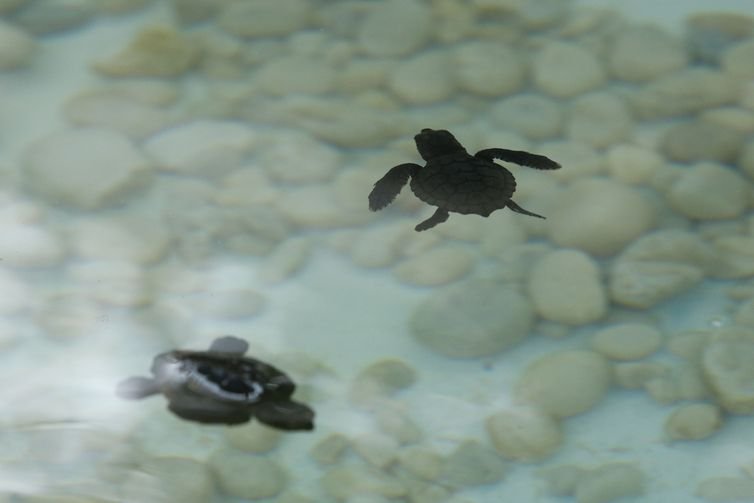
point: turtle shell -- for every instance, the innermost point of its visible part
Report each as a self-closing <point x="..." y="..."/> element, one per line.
<point x="464" y="184"/>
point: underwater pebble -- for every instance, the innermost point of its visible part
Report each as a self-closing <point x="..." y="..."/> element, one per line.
<point x="610" y="482"/>
<point x="564" y="69"/>
<point x="745" y="313"/>
<point x="227" y="303"/>
<point x="313" y="207"/>
<point x="582" y="159"/>
<point x="684" y="92"/>
<point x="195" y="11"/>
<point x="395" y="422"/>
<point x="395" y="28"/>
<point x="535" y="116"/>
<point x="15" y="294"/>
<point x="120" y="284"/>
<point x="253" y="437"/>
<point x="673" y="245"/>
<point x="709" y="34"/>
<point x="202" y="147"/>
<point x="694" y="421"/>
<point x="245" y="475"/>
<point x="330" y="449"/>
<point x="633" y="164"/>
<point x="247" y="186"/>
<point x="58" y="165"/>
<point x="378" y="246"/>
<point x="701" y="140"/>
<point x="472" y="319"/>
<point x="288" y="258"/>
<point x="565" y="287"/>
<point x="346" y="482"/>
<point x="23" y="245"/>
<point x="295" y="74"/>
<point x="131" y="238"/>
<point x="297" y="158"/>
<point x="378" y="450"/>
<point x="599" y="119"/>
<point x="474" y="73"/>
<point x="263" y="18"/>
<point x="565" y="384"/>
<point x="44" y="17"/>
<point x="635" y="375"/>
<point x="181" y="479"/>
<point x="561" y="480"/>
<point x="438" y="266"/>
<point x="644" y="52"/>
<point x="114" y="110"/>
<point x="643" y="284"/>
<point x="156" y="51"/>
<point x="16" y="47"/>
<point x="574" y="223"/>
<point x="717" y="489"/>
<point x="736" y="60"/>
<point x="524" y="434"/>
<point x="423" y="79"/>
<point x="7" y="6"/>
<point x="421" y="462"/>
<point x="709" y="191"/>
<point x="381" y="379"/>
<point x="727" y="367"/>
<point x="736" y="256"/>
<point x="471" y="464"/>
<point x="627" y="341"/>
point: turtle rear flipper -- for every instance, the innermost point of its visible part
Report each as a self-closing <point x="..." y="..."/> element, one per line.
<point x="285" y="415"/>
<point x="208" y="412"/>
<point x="518" y="209"/>
<point x="229" y="344"/>
<point x="135" y="388"/>
<point x="518" y="157"/>
<point x="387" y="188"/>
<point x="438" y="217"/>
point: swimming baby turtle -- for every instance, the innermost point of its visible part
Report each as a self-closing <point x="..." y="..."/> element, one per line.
<point x="453" y="180"/>
<point x="222" y="385"/>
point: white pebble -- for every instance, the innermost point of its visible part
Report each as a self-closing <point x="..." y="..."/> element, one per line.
<point x="524" y="434"/>
<point x="295" y="74"/>
<point x="395" y="28"/>
<point x="127" y="238"/>
<point x="643" y="284"/>
<point x="295" y="157"/>
<point x="564" y="69"/>
<point x="643" y="53"/>
<point x="475" y="74"/>
<point x="15" y="294"/>
<point x="565" y="286"/>
<point x="69" y="167"/>
<point x="710" y="191"/>
<point x="23" y="245"/>
<point x="263" y="18"/>
<point x="438" y="266"/>
<point x="693" y="421"/>
<point x="627" y="341"/>
<point x="599" y="119"/>
<point x="423" y="79"/>
<point x="16" y="47"/>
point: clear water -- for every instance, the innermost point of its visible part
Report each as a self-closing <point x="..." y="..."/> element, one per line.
<point x="72" y="327"/>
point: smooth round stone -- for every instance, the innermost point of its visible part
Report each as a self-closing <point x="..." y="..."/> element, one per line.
<point x="599" y="119"/>
<point x="16" y="47"/>
<point x="438" y="266"/>
<point x="472" y="68"/>
<point x="644" y="52"/>
<point x="611" y="482"/>
<point x="127" y="238"/>
<point x="533" y="116"/>
<point x="43" y="17"/>
<point x="85" y="168"/>
<point x="24" y="245"/>
<point x="643" y="284"/>
<point x="633" y="164"/>
<point x="717" y="489"/>
<point x="381" y="379"/>
<point x="7" y="6"/>
<point x="287" y="259"/>
<point x="395" y="28"/>
<point x="564" y="69"/>
<point x="15" y="294"/>
<point x="694" y="421"/>
<point x="376" y="449"/>
<point x="710" y="191"/>
<point x="673" y="245"/>
<point x="264" y="18"/>
<point x="727" y="368"/>
<point x="195" y="11"/>
<point x="313" y="207"/>
<point x="156" y="51"/>
<point x="227" y="303"/>
<point x="204" y="147"/>
<point x="701" y="140"/>
<point x="472" y="464"/>
<point x="253" y="437"/>
<point x="736" y="60"/>
<point x="423" y="79"/>
<point x="685" y="92"/>
<point x="350" y="482"/>
<point x="246" y="476"/>
<point x="709" y="34"/>
<point x="378" y="246"/>
<point x="118" y="284"/>
<point x="524" y="434"/>
<point x="472" y="319"/>
<point x="295" y="74"/>
<point x="565" y="286"/>
<point x="565" y="384"/>
<point x="599" y="216"/>
<point x="297" y="158"/>
<point x="628" y="341"/>
<point x="181" y="479"/>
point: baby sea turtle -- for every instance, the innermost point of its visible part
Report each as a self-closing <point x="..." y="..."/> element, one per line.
<point x="453" y="180"/>
<point x="222" y="385"/>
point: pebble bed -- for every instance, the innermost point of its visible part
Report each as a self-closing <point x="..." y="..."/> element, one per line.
<point x="174" y="170"/>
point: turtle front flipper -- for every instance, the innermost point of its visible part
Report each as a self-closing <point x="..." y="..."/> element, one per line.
<point x="135" y="388"/>
<point x="209" y="413"/>
<point x="285" y="415"/>
<point x="519" y="157"/>
<point x="437" y="217"/>
<point x="518" y="209"/>
<point x="387" y="188"/>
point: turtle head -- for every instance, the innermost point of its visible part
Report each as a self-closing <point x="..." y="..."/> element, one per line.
<point x="433" y="143"/>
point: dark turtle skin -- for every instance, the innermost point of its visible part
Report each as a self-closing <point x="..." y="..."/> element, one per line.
<point x="456" y="181"/>
<point x="222" y="386"/>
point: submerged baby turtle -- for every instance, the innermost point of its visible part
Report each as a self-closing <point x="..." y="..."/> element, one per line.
<point x="222" y="385"/>
<point x="453" y="180"/>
